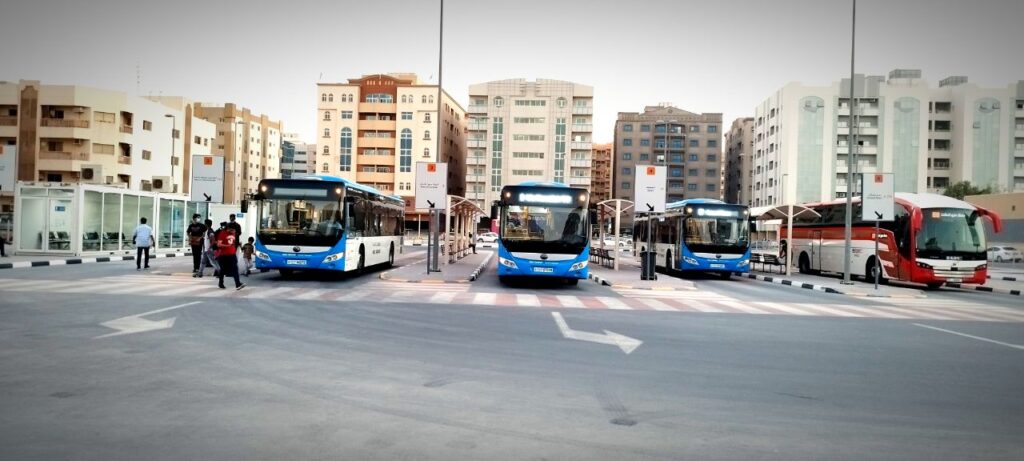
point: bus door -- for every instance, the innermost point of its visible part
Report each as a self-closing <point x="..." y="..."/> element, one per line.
<point x="888" y="254"/>
<point x="816" y="250"/>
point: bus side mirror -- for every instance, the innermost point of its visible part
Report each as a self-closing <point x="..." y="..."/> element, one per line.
<point x="494" y="211"/>
<point x="244" y="208"/>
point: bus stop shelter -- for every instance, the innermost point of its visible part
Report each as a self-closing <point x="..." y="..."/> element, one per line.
<point x="462" y="216"/>
<point x="786" y="214"/>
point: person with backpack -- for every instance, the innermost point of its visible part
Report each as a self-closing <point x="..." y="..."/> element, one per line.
<point x="196" y="233"/>
<point x="227" y="255"/>
<point x="143" y="239"/>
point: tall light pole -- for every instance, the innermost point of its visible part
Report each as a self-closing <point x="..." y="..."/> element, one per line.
<point x="234" y="159"/>
<point x="433" y="248"/>
<point x="848" y="229"/>
<point x="174" y="125"/>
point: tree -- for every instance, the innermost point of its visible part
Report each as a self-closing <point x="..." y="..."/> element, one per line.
<point x="964" y="188"/>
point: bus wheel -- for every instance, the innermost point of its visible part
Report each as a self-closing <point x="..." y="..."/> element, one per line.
<point x="934" y="285"/>
<point x="870" y="270"/>
<point x="805" y="264"/>
<point x="725" y="275"/>
<point x="572" y="282"/>
<point x="391" y="256"/>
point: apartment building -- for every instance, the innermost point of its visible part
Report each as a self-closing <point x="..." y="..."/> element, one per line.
<point x="70" y="134"/>
<point x="250" y="144"/>
<point x="373" y="129"/>
<point x="928" y="137"/>
<point x="688" y="144"/>
<point x="601" y="172"/>
<point x="739" y="143"/>
<point x="528" y="131"/>
<point x="297" y="157"/>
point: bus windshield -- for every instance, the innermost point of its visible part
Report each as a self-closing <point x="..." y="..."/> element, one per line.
<point x="951" y="233"/>
<point x="544" y="229"/>
<point x="304" y="217"/>
<point x="705" y="234"/>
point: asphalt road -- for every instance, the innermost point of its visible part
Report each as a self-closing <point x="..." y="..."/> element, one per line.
<point x="263" y="378"/>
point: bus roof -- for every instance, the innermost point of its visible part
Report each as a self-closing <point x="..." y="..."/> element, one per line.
<point x="346" y="182"/>
<point x="917" y="200"/>
<point x="695" y="201"/>
<point x="541" y="184"/>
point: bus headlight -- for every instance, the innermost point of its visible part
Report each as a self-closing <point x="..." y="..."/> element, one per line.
<point x="578" y="266"/>
<point x="743" y="263"/>
<point x="981" y="267"/>
<point x="690" y="261"/>
<point x="334" y="257"/>
<point x="507" y="263"/>
<point x="261" y="255"/>
<point x="924" y="265"/>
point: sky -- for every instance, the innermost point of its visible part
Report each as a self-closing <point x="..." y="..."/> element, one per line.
<point x="706" y="56"/>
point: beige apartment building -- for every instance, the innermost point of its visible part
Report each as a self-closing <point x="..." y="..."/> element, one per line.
<point x="528" y="131"/>
<point x="250" y="144"/>
<point x="72" y="134"/>
<point x="374" y="129"/>
<point x="688" y="144"/>
<point x="601" y="172"/>
<point x="739" y="145"/>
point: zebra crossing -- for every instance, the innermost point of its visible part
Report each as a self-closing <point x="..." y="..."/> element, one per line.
<point x="624" y="299"/>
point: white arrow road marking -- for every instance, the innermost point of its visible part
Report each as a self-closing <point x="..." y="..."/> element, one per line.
<point x="623" y="342"/>
<point x="137" y="324"/>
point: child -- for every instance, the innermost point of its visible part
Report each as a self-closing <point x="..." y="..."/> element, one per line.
<point x="247" y="250"/>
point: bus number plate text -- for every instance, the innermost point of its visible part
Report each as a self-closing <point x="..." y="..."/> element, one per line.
<point x="543" y="269"/>
<point x="296" y="262"/>
<point x="718" y="266"/>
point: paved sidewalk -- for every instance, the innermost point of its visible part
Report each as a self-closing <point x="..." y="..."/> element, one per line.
<point x="18" y="262"/>
<point x="833" y="284"/>
<point x="464" y="270"/>
<point x="628" y="277"/>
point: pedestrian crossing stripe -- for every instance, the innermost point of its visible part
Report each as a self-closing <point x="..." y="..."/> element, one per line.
<point x="400" y="293"/>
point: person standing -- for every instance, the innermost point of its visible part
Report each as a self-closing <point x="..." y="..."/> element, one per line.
<point x="247" y="251"/>
<point x="233" y="225"/>
<point x="2" y="244"/>
<point x="227" y="256"/>
<point x="472" y="242"/>
<point x="196" y="233"/>
<point x="143" y="239"/>
<point x="209" y="247"/>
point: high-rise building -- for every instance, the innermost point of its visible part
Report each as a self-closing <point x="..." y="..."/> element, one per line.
<point x="249" y="143"/>
<point x="928" y="137"/>
<point x="527" y="131"/>
<point x="70" y="133"/>
<point x="739" y="143"/>
<point x="297" y="158"/>
<point x="373" y="130"/>
<point x="688" y="144"/>
<point x="601" y="172"/>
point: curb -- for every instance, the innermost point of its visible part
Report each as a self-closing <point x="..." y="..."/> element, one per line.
<point x="472" y="277"/>
<point x="985" y="289"/>
<point x="481" y="268"/>
<point x="98" y="259"/>
<point x="599" y="280"/>
<point x="1007" y="279"/>
<point x="811" y="286"/>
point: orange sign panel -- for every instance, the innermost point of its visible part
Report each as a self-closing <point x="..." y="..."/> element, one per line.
<point x="207" y="160"/>
<point x="879" y="178"/>
<point x="651" y="171"/>
<point x="431" y="168"/>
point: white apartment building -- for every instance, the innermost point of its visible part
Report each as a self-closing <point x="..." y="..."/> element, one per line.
<point x="929" y="137"/>
<point x="250" y="144"/>
<point x="527" y="131"/>
<point x="297" y="158"/>
<point x="70" y="134"/>
<point x="374" y="129"/>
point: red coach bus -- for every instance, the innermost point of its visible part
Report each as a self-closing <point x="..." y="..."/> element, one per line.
<point x="933" y="240"/>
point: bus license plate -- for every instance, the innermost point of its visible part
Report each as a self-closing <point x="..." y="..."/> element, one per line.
<point x="296" y="262"/>
<point x="544" y="269"/>
<point x="718" y="266"/>
<point x="954" y="279"/>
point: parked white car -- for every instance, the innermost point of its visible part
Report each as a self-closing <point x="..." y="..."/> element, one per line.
<point x="1000" y="254"/>
<point x="623" y="243"/>
<point x="487" y="237"/>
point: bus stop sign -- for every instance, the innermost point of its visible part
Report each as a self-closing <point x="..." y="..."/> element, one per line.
<point x="431" y="185"/>
<point x="650" y="189"/>
<point x="878" y="197"/>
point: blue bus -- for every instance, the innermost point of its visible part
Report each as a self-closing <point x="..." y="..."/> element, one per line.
<point x="543" y="231"/>
<point x="703" y="235"/>
<point x="321" y="222"/>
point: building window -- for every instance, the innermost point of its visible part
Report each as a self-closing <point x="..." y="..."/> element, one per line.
<point x="694" y="157"/>
<point x="346" y="149"/>
<point x="627" y="142"/>
<point x="711" y="173"/>
<point x="499" y="101"/>
<point x="676" y="172"/>
<point x="326" y="150"/>
<point x="645" y="128"/>
<point x="711" y="157"/>
<point x="645" y="142"/>
<point x="426" y="152"/>
<point x="694" y="143"/>
<point x="426" y="117"/>
<point x="405" y="152"/>
<point x="346" y="114"/>
<point x="645" y="157"/>
<point x="147" y="125"/>
<point x="327" y="116"/>
<point x="691" y="187"/>
<point x="694" y="128"/>
<point x="627" y="156"/>
<point x="627" y="185"/>
<point x="426" y="135"/>
<point x="709" y="187"/>
<point x="676" y="158"/>
<point x="627" y="170"/>
<point x="712" y="143"/>
<point x="406" y="115"/>
<point x="714" y="128"/>
<point x="561" y="103"/>
<point x="330" y="97"/>
<point x="627" y="127"/>
<point x="323" y="97"/>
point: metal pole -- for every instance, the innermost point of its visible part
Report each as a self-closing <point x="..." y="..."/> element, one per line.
<point x="174" y="123"/>
<point x="618" y="213"/>
<point x="878" y="265"/>
<point x="440" y="92"/>
<point x="848" y="229"/>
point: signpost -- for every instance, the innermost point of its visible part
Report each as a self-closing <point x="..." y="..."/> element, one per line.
<point x="878" y="204"/>
<point x="432" y="194"/>
<point x="649" y="198"/>
<point x="207" y="178"/>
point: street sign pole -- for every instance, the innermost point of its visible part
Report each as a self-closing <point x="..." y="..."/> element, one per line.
<point x="878" y="265"/>
<point x="432" y="194"/>
<point x="650" y="190"/>
<point x="878" y="203"/>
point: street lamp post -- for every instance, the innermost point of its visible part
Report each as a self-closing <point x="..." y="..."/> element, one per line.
<point x="234" y="160"/>
<point x="174" y="125"/>
<point x="848" y="229"/>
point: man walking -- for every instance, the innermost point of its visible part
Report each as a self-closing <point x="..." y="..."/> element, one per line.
<point x="196" y="233"/>
<point x="233" y="225"/>
<point x="143" y="238"/>
<point x="227" y="255"/>
<point x="209" y="250"/>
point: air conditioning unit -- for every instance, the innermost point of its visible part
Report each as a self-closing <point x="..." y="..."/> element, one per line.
<point x="146" y="186"/>
<point x="79" y="142"/>
<point x="93" y="174"/>
<point x="163" y="184"/>
<point x="79" y="110"/>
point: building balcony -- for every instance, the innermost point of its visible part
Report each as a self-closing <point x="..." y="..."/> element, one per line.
<point x="587" y="128"/>
<point x="477" y="126"/>
<point x="582" y="110"/>
<point x="1019" y="132"/>
<point x="476" y="143"/>
<point x="127" y="129"/>
<point x="378" y="107"/>
<point x="378" y="125"/>
<point x="582" y="145"/>
<point x="8" y="121"/>
<point x="388" y="160"/>
<point x="862" y="150"/>
<point x="866" y="111"/>
<point x="476" y="195"/>
<point x="862" y="131"/>
<point x="51" y="155"/>
<point x="585" y="163"/>
<point x="124" y="160"/>
<point x="478" y="160"/>
<point x="63" y="123"/>
<point x="377" y="142"/>
<point x="579" y="180"/>
<point x="374" y="177"/>
<point x="477" y="108"/>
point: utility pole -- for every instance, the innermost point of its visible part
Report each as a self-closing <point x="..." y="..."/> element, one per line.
<point x="848" y="229"/>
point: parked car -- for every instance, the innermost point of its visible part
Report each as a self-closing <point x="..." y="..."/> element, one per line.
<point x="487" y="237"/>
<point x="1000" y="254"/>
<point x="623" y="243"/>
